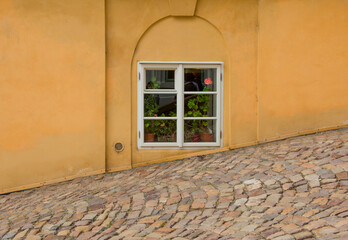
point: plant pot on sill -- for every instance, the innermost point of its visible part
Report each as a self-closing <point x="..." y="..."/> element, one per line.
<point x="207" y="137"/>
<point x="195" y="138"/>
<point x="149" y="137"/>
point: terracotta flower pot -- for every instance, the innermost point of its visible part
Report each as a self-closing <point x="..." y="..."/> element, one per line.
<point x="195" y="138"/>
<point x="207" y="137"/>
<point x="149" y="137"/>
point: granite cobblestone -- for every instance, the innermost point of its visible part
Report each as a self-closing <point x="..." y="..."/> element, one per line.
<point x="290" y="189"/>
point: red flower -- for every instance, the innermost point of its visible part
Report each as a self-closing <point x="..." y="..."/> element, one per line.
<point x="208" y="81"/>
<point x="155" y="115"/>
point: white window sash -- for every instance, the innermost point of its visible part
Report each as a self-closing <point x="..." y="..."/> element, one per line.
<point x="179" y="91"/>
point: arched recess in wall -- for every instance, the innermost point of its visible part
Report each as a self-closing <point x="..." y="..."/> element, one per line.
<point x="181" y="39"/>
<point x="177" y="39"/>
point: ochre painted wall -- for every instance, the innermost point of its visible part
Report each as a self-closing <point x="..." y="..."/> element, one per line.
<point x="52" y="91"/>
<point x="285" y="74"/>
<point x="303" y="66"/>
<point x="161" y="42"/>
<point x="155" y="31"/>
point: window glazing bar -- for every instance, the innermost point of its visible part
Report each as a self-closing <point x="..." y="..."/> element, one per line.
<point x="160" y="118"/>
<point x="180" y="105"/>
<point x="201" y="92"/>
<point x="158" y="91"/>
<point x="200" y="118"/>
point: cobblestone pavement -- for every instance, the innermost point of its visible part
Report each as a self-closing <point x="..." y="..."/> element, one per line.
<point x="290" y="189"/>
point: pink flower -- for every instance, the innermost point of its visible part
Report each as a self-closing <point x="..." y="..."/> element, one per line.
<point x="208" y="81"/>
<point x="155" y="115"/>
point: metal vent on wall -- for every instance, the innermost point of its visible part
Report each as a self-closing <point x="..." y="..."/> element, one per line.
<point x="119" y="147"/>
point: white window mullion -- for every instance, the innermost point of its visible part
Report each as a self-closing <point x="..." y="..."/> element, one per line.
<point x="179" y="78"/>
<point x="218" y="104"/>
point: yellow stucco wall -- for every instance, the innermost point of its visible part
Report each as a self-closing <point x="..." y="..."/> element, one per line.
<point x="156" y="31"/>
<point x="52" y="91"/>
<point x="63" y="107"/>
<point x="167" y="36"/>
<point x="303" y="59"/>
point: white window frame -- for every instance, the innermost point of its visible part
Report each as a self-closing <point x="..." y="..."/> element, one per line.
<point x="179" y="91"/>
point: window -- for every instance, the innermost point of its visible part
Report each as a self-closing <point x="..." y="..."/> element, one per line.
<point x="179" y="104"/>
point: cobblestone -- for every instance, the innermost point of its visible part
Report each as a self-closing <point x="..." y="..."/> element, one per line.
<point x="290" y="189"/>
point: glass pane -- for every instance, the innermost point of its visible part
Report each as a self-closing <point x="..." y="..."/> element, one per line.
<point x="160" y="79"/>
<point x="200" y="130"/>
<point x="160" y="130"/>
<point x="201" y="105"/>
<point x="159" y="105"/>
<point x="199" y="79"/>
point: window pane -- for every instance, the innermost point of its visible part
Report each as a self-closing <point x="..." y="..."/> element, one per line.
<point x="200" y="130"/>
<point x="160" y="79"/>
<point x="161" y="105"/>
<point x="199" y="79"/>
<point x="160" y="130"/>
<point x="201" y="105"/>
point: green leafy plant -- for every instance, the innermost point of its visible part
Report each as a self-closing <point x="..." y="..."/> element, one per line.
<point x="198" y="106"/>
<point x="150" y="103"/>
<point x="165" y="128"/>
<point x="149" y="126"/>
<point x="150" y="110"/>
<point x="154" y="84"/>
<point x="160" y="128"/>
<point x="151" y="107"/>
<point x="172" y="124"/>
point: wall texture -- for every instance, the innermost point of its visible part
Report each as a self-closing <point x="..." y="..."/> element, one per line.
<point x="63" y="107"/>
<point x="52" y="91"/>
<point x="303" y="74"/>
<point x="189" y="31"/>
<point x="167" y="36"/>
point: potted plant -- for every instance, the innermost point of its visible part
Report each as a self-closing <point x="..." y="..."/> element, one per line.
<point x="171" y="128"/>
<point x="191" y="131"/>
<point x="195" y="131"/>
<point x="150" y="110"/>
<point x="192" y="127"/>
<point x="206" y="135"/>
<point x="165" y="130"/>
<point x="149" y="131"/>
<point x="198" y="106"/>
<point x="161" y="129"/>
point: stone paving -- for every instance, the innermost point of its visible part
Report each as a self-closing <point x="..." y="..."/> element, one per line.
<point x="290" y="189"/>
